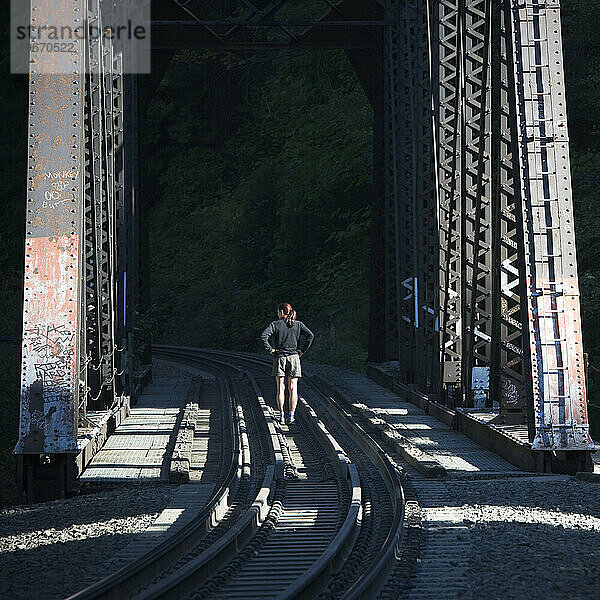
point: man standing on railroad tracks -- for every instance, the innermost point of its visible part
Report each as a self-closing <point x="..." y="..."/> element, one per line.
<point x="286" y="332"/>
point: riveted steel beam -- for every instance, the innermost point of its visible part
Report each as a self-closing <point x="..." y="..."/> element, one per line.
<point x="553" y="314"/>
<point x="52" y="316"/>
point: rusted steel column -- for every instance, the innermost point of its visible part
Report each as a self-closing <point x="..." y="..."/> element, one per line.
<point x="553" y="314"/>
<point x="51" y="314"/>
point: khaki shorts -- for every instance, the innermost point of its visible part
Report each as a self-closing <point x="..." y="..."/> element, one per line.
<point x="287" y="365"/>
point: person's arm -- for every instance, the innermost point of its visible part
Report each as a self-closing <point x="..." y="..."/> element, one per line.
<point x="310" y="336"/>
<point x="265" y="335"/>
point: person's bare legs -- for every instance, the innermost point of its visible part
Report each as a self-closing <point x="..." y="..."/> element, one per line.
<point x="280" y="394"/>
<point x="293" y="391"/>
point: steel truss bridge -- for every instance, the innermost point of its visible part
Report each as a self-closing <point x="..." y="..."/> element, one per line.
<point x="474" y="285"/>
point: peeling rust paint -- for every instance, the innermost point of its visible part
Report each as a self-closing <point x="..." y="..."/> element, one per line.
<point x="49" y="347"/>
<point x="553" y="313"/>
<point x="558" y="369"/>
<point x="51" y="319"/>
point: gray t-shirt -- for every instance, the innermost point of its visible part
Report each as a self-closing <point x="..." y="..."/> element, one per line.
<point x="285" y="339"/>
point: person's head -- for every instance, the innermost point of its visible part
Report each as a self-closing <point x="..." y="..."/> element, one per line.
<point x="287" y="313"/>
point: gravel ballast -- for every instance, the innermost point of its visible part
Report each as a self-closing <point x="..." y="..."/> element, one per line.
<point x="496" y="538"/>
<point x="533" y="539"/>
<point x="54" y="549"/>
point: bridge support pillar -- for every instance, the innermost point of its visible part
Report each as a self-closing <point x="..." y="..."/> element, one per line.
<point x="42" y="477"/>
<point x="52" y="317"/>
<point x="480" y="271"/>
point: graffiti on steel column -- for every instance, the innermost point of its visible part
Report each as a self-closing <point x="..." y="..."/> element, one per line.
<point x="51" y="375"/>
<point x="53" y="344"/>
<point x="510" y="393"/>
<point x="56" y="191"/>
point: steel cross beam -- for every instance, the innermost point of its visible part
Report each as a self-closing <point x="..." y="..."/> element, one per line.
<point x="280" y="24"/>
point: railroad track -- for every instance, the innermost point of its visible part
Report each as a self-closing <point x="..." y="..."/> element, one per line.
<point x="316" y="510"/>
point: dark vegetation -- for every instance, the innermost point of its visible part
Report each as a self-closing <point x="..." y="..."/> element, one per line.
<point x="257" y="173"/>
<point x="260" y="173"/>
<point x="13" y="170"/>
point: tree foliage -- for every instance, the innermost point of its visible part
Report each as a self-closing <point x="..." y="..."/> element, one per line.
<point x="581" y="38"/>
<point x="275" y="207"/>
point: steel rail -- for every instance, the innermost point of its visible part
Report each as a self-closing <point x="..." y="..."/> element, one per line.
<point x="131" y="575"/>
<point x="191" y="574"/>
<point x="391" y="548"/>
<point x="336" y="551"/>
<point x="343" y="542"/>
<point x="370" y="581"/>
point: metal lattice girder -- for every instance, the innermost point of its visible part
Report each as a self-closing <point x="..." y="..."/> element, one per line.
<point x="93" y="188"/>
<point x="100" y="221"/>
<point x="108" y="232"/>
<point x="476" y="186"/>
<point x="446" y="41"/>
<point x="461" y="69"/>
<point x="553" y="318"/>
<point x="426" y="219"/>
<point x="129" y="240"/>
<point x="51" y="315"/>
<point x="118" y="192"/>
<point x="511" y="355"/>
<point x="410" y="214"/>
<point x="119" y="248"/>
<point x="406" y="201"/>
<point x="400" y="190"/>
<point x="377" y="316"/>
<point x="394" y="291"/>
<point x="429" y="304"/>
<point x="416" y="214"/>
